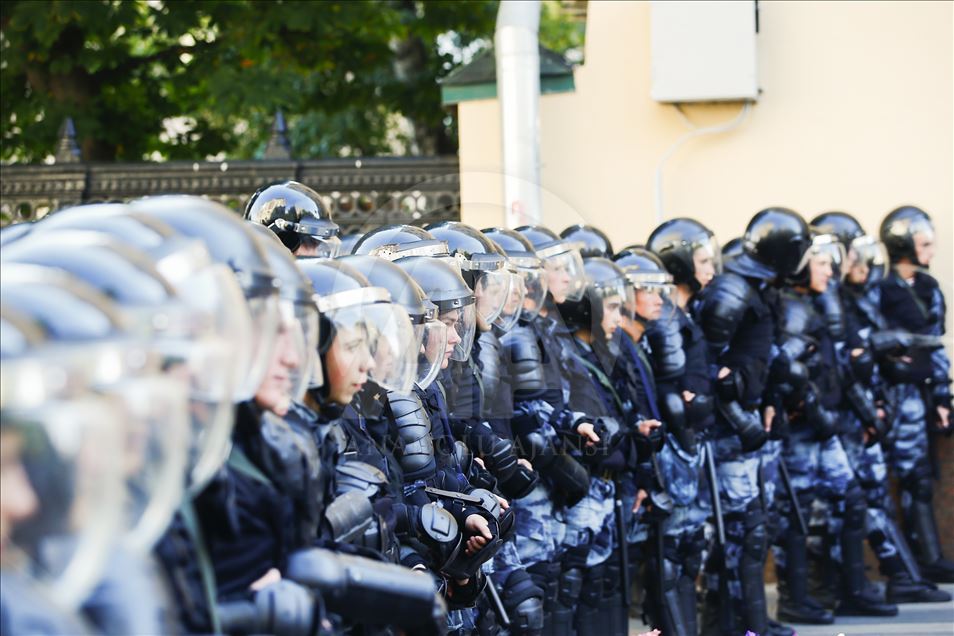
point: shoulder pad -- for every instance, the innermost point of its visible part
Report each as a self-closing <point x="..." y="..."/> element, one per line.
<point x="359" y="477"/>
<point x="723" y="306"/>
<point x="666" y="346"/>
<point x="289" y="455"/>
<point x="416" y="452"/>
<point x="794" y="315"/>
<point x="829" y="304"/>
<point x="526" y="360"/>
<point x="489" y="360"/>
<point x="349" y="515"/>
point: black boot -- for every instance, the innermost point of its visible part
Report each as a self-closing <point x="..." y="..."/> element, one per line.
<point x="933" y="565"/>
<point x="904" y="589"/>
<point x="689" y="602"/>
<point x="751" y="575"/>
<point x="794" y="606"/>
<point x="857" y="599"/>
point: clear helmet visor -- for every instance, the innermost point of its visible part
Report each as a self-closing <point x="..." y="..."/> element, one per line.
<point x="653" y="301"/>
<point x="534" y="282"/>
<point x="616" y="302"/>
<point x="492" y="290"/>
<point x="318" y="247"/>
<point x="461" y="327"/>
<point x="866" y="262"/>
<point x="62" y="492"/>
<point x="825" y="248"/>
<point x="290" y="369"/>
<point x="707" y="257"/>
<point x="377" y="342"/>
<point x="566" y="279"/>
<point x="155" y="454"/>
<point x="306" y="324"/>
<point x="216" y="290"/>
<point x="432" y="334"/>
<point x="513" y="306"/>
<point x="265" y="319"/>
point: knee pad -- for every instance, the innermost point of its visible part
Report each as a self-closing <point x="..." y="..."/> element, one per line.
<point x="524" y="602"/>
<point x="593" y="585"/>
<point x="519" y="587"/>
<point x="571" y="585"/>
<point x="546" y="575"/>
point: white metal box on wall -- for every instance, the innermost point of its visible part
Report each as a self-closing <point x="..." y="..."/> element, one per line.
<point x="704" y="51"/>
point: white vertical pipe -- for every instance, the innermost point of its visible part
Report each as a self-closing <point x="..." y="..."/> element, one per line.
<point x="518" y="89"/>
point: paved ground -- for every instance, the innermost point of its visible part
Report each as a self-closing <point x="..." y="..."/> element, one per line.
<point x="912" y="620"/>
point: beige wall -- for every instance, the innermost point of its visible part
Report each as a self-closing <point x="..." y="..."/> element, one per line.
<point x="856" y="115"/>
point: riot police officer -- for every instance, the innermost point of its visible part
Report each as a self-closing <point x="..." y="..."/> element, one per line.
<point x="679" y="355"/>
<point x="909" y="298"/>
<point x="867" y="262"/>
<point x="735" y="314"/>
<point x="297" y="215"/>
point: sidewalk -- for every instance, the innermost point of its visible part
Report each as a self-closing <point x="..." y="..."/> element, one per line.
<point x="912" y="620"/>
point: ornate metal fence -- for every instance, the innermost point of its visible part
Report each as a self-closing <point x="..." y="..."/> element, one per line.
<point x="360" y="193"/>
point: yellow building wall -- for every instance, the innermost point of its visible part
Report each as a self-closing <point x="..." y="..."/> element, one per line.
<point x="857" y="114"/>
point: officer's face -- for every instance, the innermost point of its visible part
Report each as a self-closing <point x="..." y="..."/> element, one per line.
<point x="348" y="363"/>
<point x="612" y="315"/>
<point x="452" y="320"/>
<point x="649" y="304"/>
<point x="820" y="272"/>
<point x="274" y="393"/>
<point x="924" y="248"/>
<point x="704" y="265"/>
<point x="858" y="269"/>
<point x="17" y="499"/>
<point x="558" y="280"/>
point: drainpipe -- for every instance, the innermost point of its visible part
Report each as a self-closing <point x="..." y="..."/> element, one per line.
<point x="518" y="89"/>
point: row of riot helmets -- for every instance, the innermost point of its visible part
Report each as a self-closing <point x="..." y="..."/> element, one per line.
<point x="267" y="437"/>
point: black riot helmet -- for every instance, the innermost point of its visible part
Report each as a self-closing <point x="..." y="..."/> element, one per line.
<point x="676" y="243"/>
<point x="560" y="256"/>
<point x="382" y="333"/>
<point x="456" y="304"/>
<point x="604" y="280"/>
<point x="860" y="247"/>
<point x="124" y="274"/>
<point x="844" y="226"/>
<point x="732" y="250"/>
<point x="646" y="273"/>
<point x="483" y="266"/>
<point x="18" y="332"/>
<point x="297" y="216"/>
<point x="15" y="232"/>
<point x="226" y="237"/>
<point x="229" y="241"/>
<point x="527" y="265"/>
<point x="397" y="241"/>
<point x="430" y="333"/>
<point x="774" y="245"/>
<point x="592" y="239"/>
<point x="348" y="241"/>
<point x="403" y="289"/>
<point x="898" y="230"/>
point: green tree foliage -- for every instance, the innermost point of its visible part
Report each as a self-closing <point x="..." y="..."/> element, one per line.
<point x="341" y="72"/>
